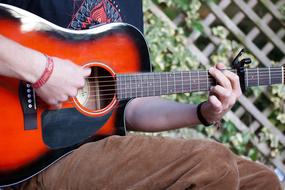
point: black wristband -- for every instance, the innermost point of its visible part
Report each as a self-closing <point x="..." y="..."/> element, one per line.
<point x="201" y="117"/>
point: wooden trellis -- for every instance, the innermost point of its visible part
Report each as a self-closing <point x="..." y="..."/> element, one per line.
<point x="274" y="38"/>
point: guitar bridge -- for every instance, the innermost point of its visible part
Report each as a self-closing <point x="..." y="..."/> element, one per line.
<point x="27" y="99"/>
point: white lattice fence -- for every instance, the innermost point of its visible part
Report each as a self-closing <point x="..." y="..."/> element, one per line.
<point x="265" y="24"/>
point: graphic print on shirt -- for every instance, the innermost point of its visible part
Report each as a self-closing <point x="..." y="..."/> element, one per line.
<point x="94" y="12"/>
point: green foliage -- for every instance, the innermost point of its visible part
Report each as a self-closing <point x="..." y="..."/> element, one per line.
<point x="168" y="53"/>
<point x="282" y="10"/>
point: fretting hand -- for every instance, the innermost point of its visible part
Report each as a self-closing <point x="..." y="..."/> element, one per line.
<point x="222" y="96"/>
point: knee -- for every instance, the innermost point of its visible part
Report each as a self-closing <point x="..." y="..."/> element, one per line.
<point x="217" y="162"/>
<point x="211" y="152"/>
<point x="271" y="180"/>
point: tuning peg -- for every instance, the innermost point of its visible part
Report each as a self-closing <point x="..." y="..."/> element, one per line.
<point x="236" y="62"/>
<point x="246" y="61"/>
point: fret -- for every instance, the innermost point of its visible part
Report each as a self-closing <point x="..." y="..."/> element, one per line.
<point x="157" y="84"/>
<point x="207" y="80"/>
<point x="125" y="87"/>
<point x="164" y="84"/>
<point x="190" y="85"/>
<point x="141" y="86"/>
<point x="257" y="71"/>
<point x="129" y="88"/>
<point x="122" y="91"/>
<point x="198" y="78"/>
<point x="194" y="81"/>
<point x="133" y="85"/>
<point x="203" y="81"/>
<point x="264" y="77"/>
<point x="136" y="85"/>
<point x="179" y="82"/>
<point x="145" y="85"/>
<point x="167" y="83"/>
<point x="276" y="75"/>
<point x="246" y="77"/>
<point x="174" y="82"/>
<point x="186" y="80"/>
<point x="181" y="74"/>
<point x="282" y="74"/>
<point x="252" y="77"/>
<point x="151" y="84"/>
<point x="270" y="82"/>
<point x="170" y="83"/>
<point x="118" y="87"/>
<point x="160" y="92"/>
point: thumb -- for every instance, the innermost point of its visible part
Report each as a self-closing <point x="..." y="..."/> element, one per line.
<point x="86" y="72"/>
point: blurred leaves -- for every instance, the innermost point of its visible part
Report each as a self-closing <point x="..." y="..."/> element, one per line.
<point x="282" y="10"/>
<point x="168" y="53"/>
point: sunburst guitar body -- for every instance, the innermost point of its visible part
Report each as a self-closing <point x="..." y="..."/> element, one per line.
<point x="32" y="135"/>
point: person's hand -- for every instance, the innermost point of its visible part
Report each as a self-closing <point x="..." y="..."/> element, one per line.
<point x="63" y="83"/>
<point x="222" y="96"/>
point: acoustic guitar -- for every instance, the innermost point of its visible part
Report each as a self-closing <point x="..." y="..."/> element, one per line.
<point x="33" y="136"/>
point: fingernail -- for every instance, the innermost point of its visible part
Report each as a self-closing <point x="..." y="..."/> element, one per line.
<point x="211" y="70"/>
<point x="87" y="71"/>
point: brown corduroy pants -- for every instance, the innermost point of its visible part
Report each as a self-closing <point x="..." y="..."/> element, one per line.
<point x="139" y="162"/>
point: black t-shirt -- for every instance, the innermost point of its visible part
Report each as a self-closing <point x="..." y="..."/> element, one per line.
<point x="82" y="14"/>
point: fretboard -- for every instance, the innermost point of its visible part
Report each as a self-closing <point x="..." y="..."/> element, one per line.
<point x="164" y="83"/>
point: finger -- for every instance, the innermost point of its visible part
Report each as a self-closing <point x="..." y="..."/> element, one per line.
<point x="223" y="94"/>
<point x="220" y="66"/>
<point x="235" y="83"/>
<point x="63" y="98"/>
<point x="215" y="103"/>
<point x="73" y="92"/>
<point x="86" y="72"/>
<point x="56" y="106"/>
<point x="80" y="82"/>
<point x="220" y="78"/>
<point x="53" y="102"/>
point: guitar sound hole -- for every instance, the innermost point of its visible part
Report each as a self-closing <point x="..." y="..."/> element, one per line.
<point x="99" y="90"/>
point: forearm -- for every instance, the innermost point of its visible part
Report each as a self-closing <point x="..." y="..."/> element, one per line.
<point x="157" y="114"/>
<point x="20" y="62"/>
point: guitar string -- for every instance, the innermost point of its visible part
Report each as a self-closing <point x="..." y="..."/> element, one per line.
<point x="210" y="77"/>
<point x="142" y="94"/>
<point x="255" y="71"/>
<point x="179" y="74"/>
<point x="164" y="84"/>
<point x="141" y="89"/>
<point x="137" y="94"/>
<point x="169" y="85"/>
<point x="183" y="78"/>
<point x="201" y="81"/>
<point x="201" y="77"/>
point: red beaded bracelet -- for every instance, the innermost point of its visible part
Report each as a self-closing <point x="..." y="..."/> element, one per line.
<point x="46" y="74"/>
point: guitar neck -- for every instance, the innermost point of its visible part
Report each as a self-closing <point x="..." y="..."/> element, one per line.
<point x="164" y="83"/>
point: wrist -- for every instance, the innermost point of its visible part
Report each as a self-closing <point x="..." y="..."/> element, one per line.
<point x="46" y="73"/>
<point x="31" y="65"/>
<point x="38" y="65"/>
<point x="202" y="116"/>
